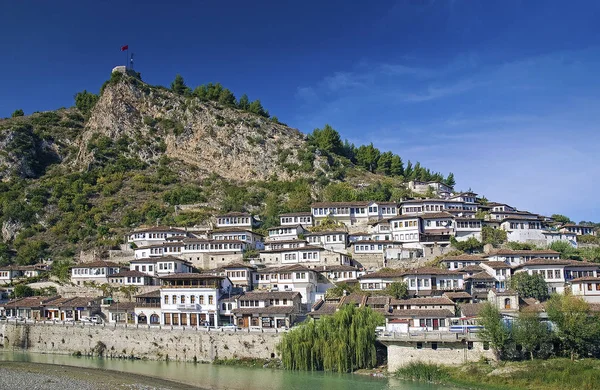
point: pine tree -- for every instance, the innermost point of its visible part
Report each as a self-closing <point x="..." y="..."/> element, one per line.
<point x="227" y="98"/>
<point x="450" y="180"/>
<point x="244" y="103"/>
<point x="367" y="156"/>
<point x="397" y="166"/>
<point x="384" y="164"/>
<point x="178" y="85"/>
<point x="17" y="113"/>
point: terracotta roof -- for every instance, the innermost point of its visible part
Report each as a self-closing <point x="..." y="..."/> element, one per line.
<point x="122" y="306"/>
<point x="234" y="214"/>
<point x="424" y="313"/>
<point x="471" y="309"/>
<point x="159" y="259"/>
<point x="158" y="229"/>
<point x="495" y="265"/>
<point x="341" y="204"/>
<point x="380" y="274"/>
<point x="324" y="309"/>
<point x="238" y="265"/>
<point x="566" y="263"/>
<point x="354" y="299"/>
<point x="442" y="214"/>
<point x="464" y="257"/>
<point x="586" y="279"/>
<point x="297" y="214"/>
<point x="424" y="201"/>
<point x="286" y="227"/>
<point x="285" y="268"/>
<point x="30" y="301"/>
<point x="266" y="310"/>
<point x="190" y="275"/>
<point x="149" y="294"/>
<point x="295" y="240"/>
<point x="509" y="252"/>
<point x="480" y="276"/>
<point x="79" y="302"/>
<point x="300" y="248"/>
<point x="323" y="233"/>
<point x="96" y="264"/>
<point x="457" y="295"/>
<point x="423" y="301"/>
<point x="263" y="295"/>
<point x="124" y="274"/>
<point x="376" y="242"/>
<point x="382" y="300"/>
<point x="471" y="268"/>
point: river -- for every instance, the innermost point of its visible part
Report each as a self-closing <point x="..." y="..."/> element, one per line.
<point x="210" y="376"/>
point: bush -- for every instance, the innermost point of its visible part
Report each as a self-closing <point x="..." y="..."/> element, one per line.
<point x="423" y="372"/>
<point x="17" y="113"/>
<point x="85" y="101"/>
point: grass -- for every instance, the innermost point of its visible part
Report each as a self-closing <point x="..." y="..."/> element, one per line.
<point x="553" y="374"/>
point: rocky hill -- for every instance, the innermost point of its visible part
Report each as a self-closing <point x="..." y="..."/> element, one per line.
<point x="79" y="178"/>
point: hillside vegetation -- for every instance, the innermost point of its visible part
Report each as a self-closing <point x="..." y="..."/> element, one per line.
<point x="80" y="177"/>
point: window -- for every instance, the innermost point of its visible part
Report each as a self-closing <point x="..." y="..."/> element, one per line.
<point x="210" y="299"/>
<point x="434" y="346"/>
<point x="201" y="299"/>
<point x="182" y="299"/>
<point x="192" y="299"/>
<point x="419" y="345"/>
<point x="166" y="299"/>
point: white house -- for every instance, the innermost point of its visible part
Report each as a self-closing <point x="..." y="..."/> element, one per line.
<point x="587" y="287"/>
<point x="465" y="228"/>
<point x="240" y="275"/>
<point x="299" y="218"/>
<point x="554" y="236"/>
<point x="455" y="263"/>
<point x="516" y="257"/>
<point x="235" y="219"/>
<point x="308" y="255"/>
<point x="154" y="235"/>
<point x="192" y="299"/>
<point x="333" y="240"/>
<point x="500" y="271"/>
<point x="288" y="278"/>
<point x="131" y="278"/>
<point x="406" y="229"/>
<point x="578" y="229"/>
<point x="147" y="308"/>
<point x="286" y="232"/>
<point x="468" y="198"/>
<point x="96" y="271"/>
<point x="160" y="266"/>
<point x="284" y="244"/>
<point x="353" y="213"/>
<point x="167" y="248"/>
<point x="557" y="272"/>
<point x="437" y="187"/>
<point x="268" y="309"/>
<point x="421" y="281"/>
<point x="520" y="229"/>
<point x="252" y="239"/>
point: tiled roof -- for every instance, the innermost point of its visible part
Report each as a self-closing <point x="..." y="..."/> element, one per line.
<point x="194" y="276"/>
<point x="300" y="248"/>
<point x="122" y="306"/>
<point x="354" y="299"/>
<point x="336" y="268"/>
<point x="264" y="295"/>
<point x="324" y="309"/>
<point x="480" y="276"/>
<point x="159" y="259"/>
<point x="238" y="265"/>
<point x="96" y="264"/>
<point x="79" y="302"/>
<point x="285" y="268"/>
<point x="234" y="214"/>
<point x="464" y="257"/>
<point x="425" y="313"/>
<point x="509" y="252"/>
<point x="130" y="273"/>
<point x="30" y="301"/>
<point x="442" y="214"/>
<point x="297" y="214"/>
<point x="423" y="301"/>
<point x="586" y="279"/>
<point x="471" y="309"/>
<point x="266" y="310"/>
<point x="232" y="229"/>
<point x="471" y="268"/>
<point x="495" y="265"/>
<point x="158" y="229"/>
<point x="149" y="294"/>
<point x="457" y="295"/>
<point x="326" y="232"/>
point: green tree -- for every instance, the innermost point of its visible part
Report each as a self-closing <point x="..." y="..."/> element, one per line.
<point x="566" y="250"/>
<point x="397" y="166"/>
<point x="489" y="235"/>
<point x="17" y="113"/>
<point x="340" y="288"/>
<point x="384" y="164"/>
<point x="178" y="85"/>
<point x="85" y="101"/>
<point x="257" y="108"/>
<point x="367" y="157"/>
<point x="494" y="331"/>
<point x="470" y="245"/>
<point x="339" y="192"/>
<point x="327" y="140"/>
<point x="398" y="290"/>
<point x="530" y="332"/>
<point x="22" y="291"/>
<point x="342" y="342"/>
<point x="61" y="269"/>
<point x="227" y="98"/>
<point x="450" y="180"/>
<point x="128" y="291"/>
<point x="576" y="328"/>
<point x="561" y="218"/>
<point x="31" y="252"/>
<point x="244" y="103"/>
<point x="530" y="286"/>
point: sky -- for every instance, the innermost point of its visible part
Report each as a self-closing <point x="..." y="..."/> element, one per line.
<point x="504" y="94"/>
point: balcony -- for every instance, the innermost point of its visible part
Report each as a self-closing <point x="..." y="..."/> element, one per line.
<point x="188" y="306"/>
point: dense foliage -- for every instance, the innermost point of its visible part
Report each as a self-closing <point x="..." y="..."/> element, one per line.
<point x="529" y="286"/>
<point x="342" y="342"/>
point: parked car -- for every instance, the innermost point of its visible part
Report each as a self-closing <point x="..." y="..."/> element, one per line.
<point x="2" y="317"/>
<point x="229" y="327"/>
<point x="69" y="319"/>
<point x="95" y="319"/>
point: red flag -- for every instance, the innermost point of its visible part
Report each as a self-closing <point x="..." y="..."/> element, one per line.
<point x="126" y="47"/>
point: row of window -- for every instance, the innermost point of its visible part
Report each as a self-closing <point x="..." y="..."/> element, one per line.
<point x="283" y="276"/>
<point x="409" y="236"/>
<point x="240" y="237"/>
<point x="182" y="299"/>
<point x="300" y="220"/>
<point x="213" y="246"/>
<point x="234" y="221"/>
<point x="236" y="274"/>
<point x="530" y="225"/>
<point x="472" y="225"/>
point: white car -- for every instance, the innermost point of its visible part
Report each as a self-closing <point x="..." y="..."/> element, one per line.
<point x="69" y="319"/>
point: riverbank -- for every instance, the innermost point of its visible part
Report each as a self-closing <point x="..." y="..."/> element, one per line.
<point x="26" y="375"/>
<point x="552" y="374"/>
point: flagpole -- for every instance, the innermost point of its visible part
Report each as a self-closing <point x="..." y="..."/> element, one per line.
<point x="127" y="58"/>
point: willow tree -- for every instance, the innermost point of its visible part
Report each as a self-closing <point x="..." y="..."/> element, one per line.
<point x="341" y="342"/>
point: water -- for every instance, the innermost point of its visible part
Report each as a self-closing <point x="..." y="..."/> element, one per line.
<point x="211" y="376"/>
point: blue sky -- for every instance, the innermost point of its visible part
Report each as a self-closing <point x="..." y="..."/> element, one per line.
<point x="505" y="94"/>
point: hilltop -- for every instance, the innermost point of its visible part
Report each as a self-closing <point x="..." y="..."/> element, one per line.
<point x="80" y="177"/>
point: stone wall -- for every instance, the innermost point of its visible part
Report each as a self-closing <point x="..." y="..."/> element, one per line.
<point x="448" y="353"/>
<point x="154" y="344"/>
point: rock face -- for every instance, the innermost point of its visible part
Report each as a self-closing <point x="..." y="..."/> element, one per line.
<point x="209" y="138"/>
